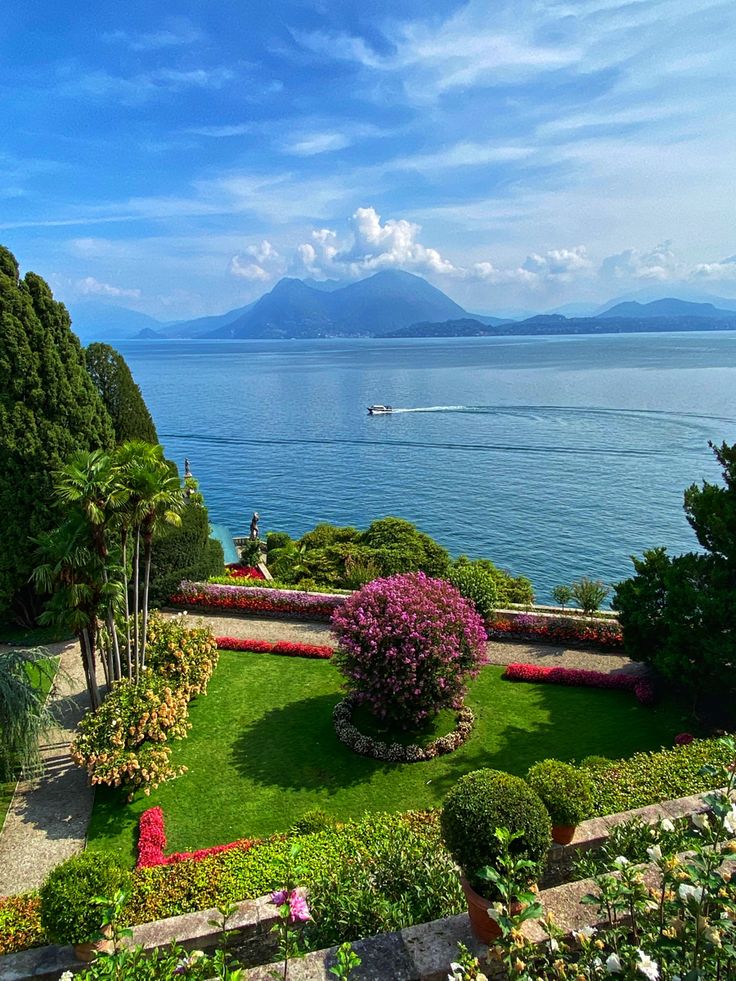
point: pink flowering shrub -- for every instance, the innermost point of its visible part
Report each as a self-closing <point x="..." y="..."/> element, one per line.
<point x="407" y="645"/>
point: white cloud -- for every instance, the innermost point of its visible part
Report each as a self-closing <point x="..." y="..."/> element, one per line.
<point x="723" y="269"/>
<point x="89" y="286"/>
<point x="659" y="263"/>
<point x="259" y="263"/>
<point x="311" y="144"/>
<point x="558" y="264"/>
<point x="177" y="33"/>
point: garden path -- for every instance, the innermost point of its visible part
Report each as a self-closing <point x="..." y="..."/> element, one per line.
<point x="48" y="817"/>
<point x="499" y="651"/>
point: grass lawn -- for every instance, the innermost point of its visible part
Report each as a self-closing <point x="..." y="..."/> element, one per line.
<point x="262" y="751"/>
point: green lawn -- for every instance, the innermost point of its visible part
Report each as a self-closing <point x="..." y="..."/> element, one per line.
<point x="262" y="751"/>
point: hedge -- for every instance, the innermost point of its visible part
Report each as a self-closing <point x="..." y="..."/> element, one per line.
<point x="283" y="647"/>
<point x="249" y="599"/>
<point x="604" y="634"/>
<point x="577" y="677"/>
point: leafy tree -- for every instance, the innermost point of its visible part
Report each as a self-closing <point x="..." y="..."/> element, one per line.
<point x="399" y="546"/>
<point x="589" y="594"/>
<point x="49" y="408"/>
<point x="509" y="589"/>
<point x="120" y="394"/>
<point x="679" y="613"/>
<point x="562" y="595"/>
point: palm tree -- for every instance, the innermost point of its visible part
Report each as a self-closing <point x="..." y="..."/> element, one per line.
<point x="71" y="571"/>
<point x="153" y="497"/>
<point x="25" y="677"/>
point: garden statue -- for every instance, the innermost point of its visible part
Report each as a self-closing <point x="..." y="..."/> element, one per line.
<point x="187" y="469"/>
<point x="254" y="527"/>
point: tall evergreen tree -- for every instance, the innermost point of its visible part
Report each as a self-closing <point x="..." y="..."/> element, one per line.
<point x="49" y="408"/>
<point x="122" y="397"/>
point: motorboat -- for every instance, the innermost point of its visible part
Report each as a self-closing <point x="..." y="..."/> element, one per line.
<point x="379" y="410"/>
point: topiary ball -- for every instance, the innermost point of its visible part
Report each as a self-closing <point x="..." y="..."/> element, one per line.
<point x="565" y="791"/>
<point x="478" y="804"/>
<point x="69" y="913"/>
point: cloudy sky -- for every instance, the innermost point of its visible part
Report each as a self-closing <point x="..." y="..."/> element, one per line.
<point x="178" y="159"/>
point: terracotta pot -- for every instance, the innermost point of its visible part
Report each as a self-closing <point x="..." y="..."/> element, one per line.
<point x="87" y="952"/>
<point x="483" y="926"/>
<point x="563" y="833"/>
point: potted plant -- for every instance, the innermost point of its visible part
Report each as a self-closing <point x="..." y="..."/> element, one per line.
<point x="566" y="792"/>
<point x="478" y="805"/>
<point x="71" y="911"/>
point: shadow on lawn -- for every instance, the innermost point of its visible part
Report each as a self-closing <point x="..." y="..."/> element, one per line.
<point x="295" y="747"/>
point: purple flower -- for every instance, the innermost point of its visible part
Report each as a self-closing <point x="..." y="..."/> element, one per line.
<point x="298" y="908"/>
<point x="280" y="897"/>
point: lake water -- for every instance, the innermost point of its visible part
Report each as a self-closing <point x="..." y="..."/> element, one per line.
<point x="555" y="457"/>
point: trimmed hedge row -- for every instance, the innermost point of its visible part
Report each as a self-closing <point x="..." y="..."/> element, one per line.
<point x="284" y="647"/>
<point x="647" y="778"/>
<point x="577" y="677"/>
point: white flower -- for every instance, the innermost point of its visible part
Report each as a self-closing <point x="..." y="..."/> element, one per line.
<point x="586" y="931"/>
<point x="646" y="966"/>
<point x="687" y="892"/>
<point x="621" y="862"/>
<point x="67" y="976"/>
<point x="553" y="945"/>
<point x="613" y="964"/>
<point x="729" y="821"/>
<point x="667" y="825"/>
<point x="701" y="821"/>
<point x="654" y="853"/>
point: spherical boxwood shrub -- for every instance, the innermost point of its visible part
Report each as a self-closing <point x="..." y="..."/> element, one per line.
<point x="565" y="791"/>
<point x="69" y="913"/>
<point x="478" y="585"/>
<point x="478" y="804"/>
<point x="407" y="646"/>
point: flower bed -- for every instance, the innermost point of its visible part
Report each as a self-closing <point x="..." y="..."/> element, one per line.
<point x="641" y="687"/>
<point x="364" y="745"/>
<point x="557" y="630"/>
<point x="152" y="843"/>
<point x="249" y="599"/>
<point x="237" y="571"/>
<point x="283" y="647"/>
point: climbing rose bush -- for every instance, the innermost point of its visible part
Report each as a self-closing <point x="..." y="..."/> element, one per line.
<point x="407" y="646"/>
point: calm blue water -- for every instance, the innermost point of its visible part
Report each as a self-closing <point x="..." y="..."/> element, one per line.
<point x="555" y="457"/>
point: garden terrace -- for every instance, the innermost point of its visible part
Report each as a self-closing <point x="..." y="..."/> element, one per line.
<point x="265" y="729"/>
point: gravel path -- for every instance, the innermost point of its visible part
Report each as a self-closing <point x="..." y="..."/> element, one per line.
<point x="48" y="817"/>
<point x="499" y="652"/>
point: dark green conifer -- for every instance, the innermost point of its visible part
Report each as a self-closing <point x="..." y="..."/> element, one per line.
<point x="49" y="408"/>
<point x="122" y="397"/>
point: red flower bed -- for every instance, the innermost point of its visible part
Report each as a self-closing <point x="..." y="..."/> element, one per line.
<point x="152" y="842"/>
<point x="237" y="571"/>
<point x="641" y="687"/>
<point x="275" y="647"/>
<point x="251" y="599"/>
<point x="556" y="630"/>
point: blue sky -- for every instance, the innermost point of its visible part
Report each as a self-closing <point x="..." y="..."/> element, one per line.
<point x="178" y="159"/>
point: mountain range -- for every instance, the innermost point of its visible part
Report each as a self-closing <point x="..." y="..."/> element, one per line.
<point x="395" y="304"/>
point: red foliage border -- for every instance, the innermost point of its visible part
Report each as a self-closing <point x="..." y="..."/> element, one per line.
<point x="152" y="842"/>
<point x="603" y="634"/>
<point x="275" y="647"/>
<point x="641" y="687"/>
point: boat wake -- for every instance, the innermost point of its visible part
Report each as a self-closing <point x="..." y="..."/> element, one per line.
<point x="434" y="408"/>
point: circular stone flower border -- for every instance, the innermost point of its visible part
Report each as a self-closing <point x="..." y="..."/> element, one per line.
<point x="353" y="738"/>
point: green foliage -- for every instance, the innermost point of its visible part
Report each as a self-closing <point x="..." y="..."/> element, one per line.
<point x="565" y="791"/>
<point x="70" y="912"/>
<point x="679" y="613"/>
<point x="323" y="535"/>
<point x="20" y="921"/>
<point x="25" y="680"/>
<point x="562" y="595"/>
<point x="646" y="778"/>
<point x="478" y="804"/>
<point x="510" y="590"/>
<point x="589" y="594"/>
<point x="379" y="873"/>
<point x="184" y="552"/>
<point x="122" y="743"/>
<point x="49" y="408"/>
<point x="477" y="585"/>
<point x="120" y="394"/>
<point x="312" y="821"/>
<point x="277" y="539"/>
<point x="400" y="547"/>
